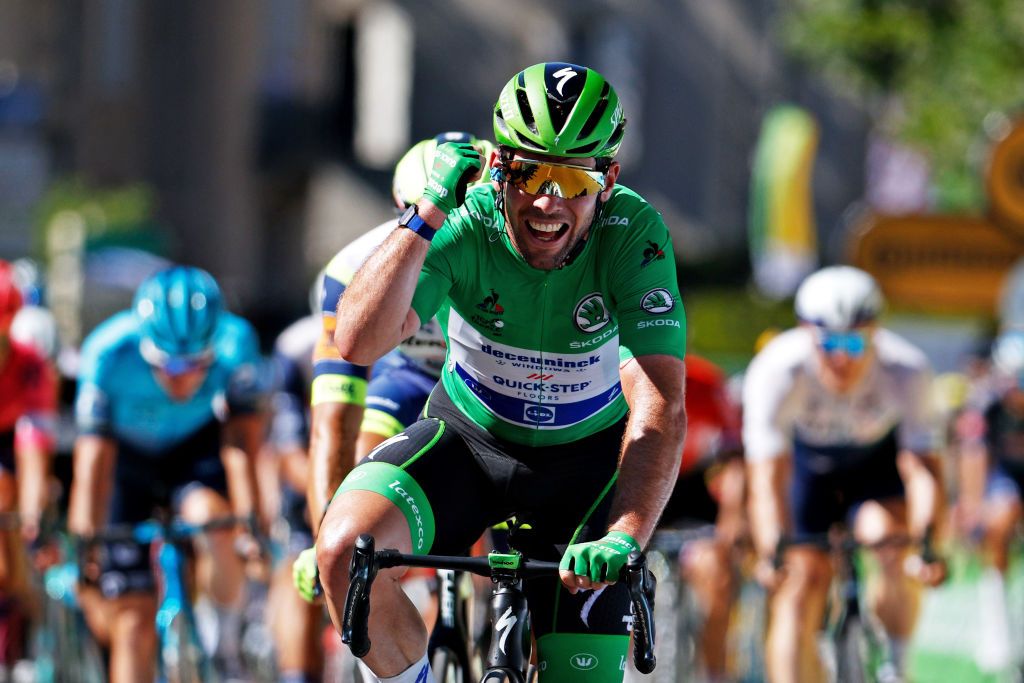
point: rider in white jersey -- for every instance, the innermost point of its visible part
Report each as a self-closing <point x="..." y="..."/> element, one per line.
<point x="838" y="429"/>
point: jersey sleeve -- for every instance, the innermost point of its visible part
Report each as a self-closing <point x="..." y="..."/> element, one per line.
<point x="288" y="426"/>
<point x="247" y="385"/>
<point x="335" y="380"/>
<point x="644" y="286"/>
<point x="36" y="427"/>
<point x="768" y="392"/>
<point x="92" y="400"/>
<point x="918" y="431"/>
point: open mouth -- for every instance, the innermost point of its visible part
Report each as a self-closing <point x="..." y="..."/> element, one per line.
<point x="546" y="232"/>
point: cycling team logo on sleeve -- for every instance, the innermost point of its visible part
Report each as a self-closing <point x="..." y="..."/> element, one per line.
<point x="591" y="314"/>
<point x="657" y="301"/>
<point x="651" y="254"/>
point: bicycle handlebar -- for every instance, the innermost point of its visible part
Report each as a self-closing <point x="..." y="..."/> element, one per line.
<point x="366" y="562"/>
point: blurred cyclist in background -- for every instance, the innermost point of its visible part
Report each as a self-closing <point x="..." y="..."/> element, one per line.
<point x="296" y="624"/>
<point x="28" y="400"/>
<point x="990" y="437"/>
<point x="356" y="408"/>
<point x="169" y="416"/>
<point x="710" y="491"/>
<point x="837" y="428"/>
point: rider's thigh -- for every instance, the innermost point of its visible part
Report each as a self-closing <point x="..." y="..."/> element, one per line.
<point x="8" y="491"/>
<point x="1002" y="515"/>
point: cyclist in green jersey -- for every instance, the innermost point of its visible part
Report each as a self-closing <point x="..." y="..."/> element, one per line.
<point x="561" y="399"/>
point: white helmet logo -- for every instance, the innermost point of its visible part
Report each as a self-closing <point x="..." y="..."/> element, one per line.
<point x="563" y="75"/>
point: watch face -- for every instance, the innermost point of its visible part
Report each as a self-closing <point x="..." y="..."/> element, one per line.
<point x="408" y="215"/>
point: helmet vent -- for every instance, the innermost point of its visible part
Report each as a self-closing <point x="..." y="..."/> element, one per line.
<point x="526" y="111"/>
<point x="594" y="118"/>
<point x="583" y="150"/>
<point x="559" y="111"/>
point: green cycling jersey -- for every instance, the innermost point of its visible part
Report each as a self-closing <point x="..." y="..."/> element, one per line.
<point x="533" y="355"/>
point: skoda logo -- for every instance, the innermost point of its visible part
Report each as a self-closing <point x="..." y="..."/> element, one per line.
<point x="583" y="661"/>
<point x="657" y="301"/>
<point x="539" y="414"/>
<point x="591" y="314"/>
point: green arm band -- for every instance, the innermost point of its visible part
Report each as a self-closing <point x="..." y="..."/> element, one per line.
<point x="400" y="488"/>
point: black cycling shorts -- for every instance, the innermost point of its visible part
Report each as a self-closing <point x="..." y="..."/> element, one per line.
<point x="474" y="481"/>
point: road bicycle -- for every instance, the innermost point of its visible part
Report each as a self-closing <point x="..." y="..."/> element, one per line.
<point x="180" y="657"/>
<point x="509" y="653"/>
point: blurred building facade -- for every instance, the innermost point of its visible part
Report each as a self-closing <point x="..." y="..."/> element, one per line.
<point x="268" y="128"/>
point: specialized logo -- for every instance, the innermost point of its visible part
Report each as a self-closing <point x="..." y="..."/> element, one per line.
<point x="539" y="414"/>
<point x="504" y="627"/>
<point x="651" y="254"/>
<point x="490" y="304"/>
<point x="657" y="301"/>
<point x="393" y="440"/>
<point x="591" y="314"/>
<point x="583" y="661"/>
<point x="563" y="76"/>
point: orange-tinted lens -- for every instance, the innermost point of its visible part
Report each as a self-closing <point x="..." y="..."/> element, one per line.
<point x="559" y="180"/>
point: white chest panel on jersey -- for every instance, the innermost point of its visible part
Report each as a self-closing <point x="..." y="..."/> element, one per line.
<point x="784" y="399"/>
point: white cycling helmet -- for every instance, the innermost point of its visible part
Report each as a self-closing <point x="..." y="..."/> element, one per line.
<point x="1008" y="353"/>
<point x="838" y="298"/>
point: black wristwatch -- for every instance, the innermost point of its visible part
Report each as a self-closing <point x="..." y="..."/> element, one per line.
<point x="411" y="220"/>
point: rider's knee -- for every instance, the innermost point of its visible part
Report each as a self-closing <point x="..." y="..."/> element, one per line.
<point x="334" y="553"/>
<point x="201" y="504"/>
<point x="807" y="575"/>
<point x="708" y="563"/>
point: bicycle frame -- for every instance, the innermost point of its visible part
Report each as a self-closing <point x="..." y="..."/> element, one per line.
<point x="510" y="649"/>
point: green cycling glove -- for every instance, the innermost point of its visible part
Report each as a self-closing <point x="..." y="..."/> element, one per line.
<point x="455" y="165"/>
<point x="306" y="575"/>
<point x="600" y="560"/>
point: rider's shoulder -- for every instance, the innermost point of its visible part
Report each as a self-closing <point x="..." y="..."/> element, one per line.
<point x="789" y="349"/>
<point x="235" y="339"/>
<point x="113" y="333"/>
<point x="625" y="208"/>
<point x="896" y="352"/>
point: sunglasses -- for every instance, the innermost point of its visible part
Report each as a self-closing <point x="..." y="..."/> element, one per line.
<point x="558" y="180"/>
<point x="853" y="344"/>
<point x="174" y="366"/>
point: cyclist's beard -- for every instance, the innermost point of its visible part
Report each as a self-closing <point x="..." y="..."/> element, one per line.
<point x="515" y="229"/>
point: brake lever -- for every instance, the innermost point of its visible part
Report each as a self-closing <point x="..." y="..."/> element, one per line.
<point x="355" y="617"/>
<point x="642" y="585"/>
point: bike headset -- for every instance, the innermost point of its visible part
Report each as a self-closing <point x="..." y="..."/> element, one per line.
<point x="413" y="169"/>
<point x="562" y="110"/>
<point x="178" y="311"/>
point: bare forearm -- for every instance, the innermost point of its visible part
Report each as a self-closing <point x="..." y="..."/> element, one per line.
<point x="33" y="469"/>
<point x="654" y="387"/>
<point x="335" y="428"/>
<point x="241" y="446"/>
<point x="924" y="497"/>
<point x="373" y="314"/>
<point x="646" y="477"/>
<point x="767" y="504"/>
<point x="90" y="486"/>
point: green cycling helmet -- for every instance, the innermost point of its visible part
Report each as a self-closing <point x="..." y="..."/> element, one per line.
<point x="178" y="310"/>
<point x="413" y="168"/>
<point x="561" y="110"/>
